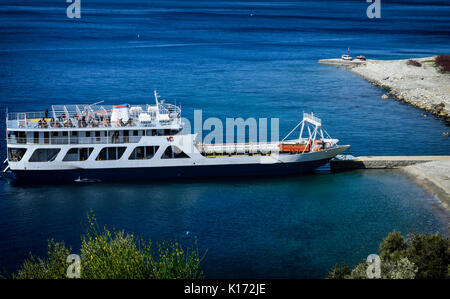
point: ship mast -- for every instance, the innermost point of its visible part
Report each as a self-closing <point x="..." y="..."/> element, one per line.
<point x="156" y="97"/>
<point x="157" y="103"/>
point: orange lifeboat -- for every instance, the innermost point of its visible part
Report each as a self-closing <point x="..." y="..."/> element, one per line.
<point x="292" y="148"/>
<point x="295" y="148"/>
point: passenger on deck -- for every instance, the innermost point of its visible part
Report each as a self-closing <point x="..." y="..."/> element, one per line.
<point x="94" y="123"/>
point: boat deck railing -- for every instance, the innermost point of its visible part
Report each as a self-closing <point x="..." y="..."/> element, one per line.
<point x="74" y="140"/>
<point x="252" y="148"/>
<point x="34" y="124"/>
<point x="95" y="116"/>
<point x="312" y="119"/>
<point x="262" y="147"/>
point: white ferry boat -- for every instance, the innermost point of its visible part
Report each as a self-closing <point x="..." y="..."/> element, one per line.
<point x="84" y="143"/>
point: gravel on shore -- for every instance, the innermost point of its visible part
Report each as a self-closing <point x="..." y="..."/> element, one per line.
<point x="422" y="86"/>
<point x="433" y="176"/>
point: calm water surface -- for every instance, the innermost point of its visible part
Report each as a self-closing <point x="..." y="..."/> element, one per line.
<point x="215" y="56"/>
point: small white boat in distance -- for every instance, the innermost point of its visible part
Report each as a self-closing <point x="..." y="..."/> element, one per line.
<point x="346" y="57"/>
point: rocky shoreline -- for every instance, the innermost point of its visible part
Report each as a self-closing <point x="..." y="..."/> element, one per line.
<point x="424" y="86"/>
<point x="421" y="84"/>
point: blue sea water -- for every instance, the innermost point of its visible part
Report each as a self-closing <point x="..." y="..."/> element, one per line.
<point x="231" y="59"/>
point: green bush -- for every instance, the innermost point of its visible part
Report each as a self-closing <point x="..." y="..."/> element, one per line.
<point x="116" y="255"/>
<point x="431" y="254"/>
<point x="341" y="271"/>
<point x="401" y="269"/>
<point x="421" y="256"/>
<point x="54" y="266"/>
<point x="393" y="247"/>
<point x="360" y="271"/>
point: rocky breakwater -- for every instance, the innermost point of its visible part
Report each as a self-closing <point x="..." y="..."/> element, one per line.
<point x="417" y="82"/>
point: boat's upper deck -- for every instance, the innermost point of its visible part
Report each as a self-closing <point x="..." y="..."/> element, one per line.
<point x="97" y="116"/>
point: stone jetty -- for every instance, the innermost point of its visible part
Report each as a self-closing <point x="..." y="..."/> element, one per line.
<point x="423" y="86"/>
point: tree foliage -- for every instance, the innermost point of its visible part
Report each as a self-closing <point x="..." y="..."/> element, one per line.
<point x="52" y="267"/>
<point x="339" y="272"/>
<point x="420" y="256"/>
<point x="393" y="247"/>
<point x="431" y="254"/>
<point x="109" y="254"/>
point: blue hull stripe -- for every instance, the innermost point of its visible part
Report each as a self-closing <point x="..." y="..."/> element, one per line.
<point x="152" y="173"/>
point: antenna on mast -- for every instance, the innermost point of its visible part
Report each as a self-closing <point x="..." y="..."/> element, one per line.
<point x="156" y="97"/>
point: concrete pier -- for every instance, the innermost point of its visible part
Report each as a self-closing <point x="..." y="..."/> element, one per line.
<point x="341" y="62"/>
<point x="342" y="163"/>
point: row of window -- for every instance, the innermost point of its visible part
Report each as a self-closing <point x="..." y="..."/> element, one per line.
<point x="106" y="154"/>
<point x="21" y="137"/>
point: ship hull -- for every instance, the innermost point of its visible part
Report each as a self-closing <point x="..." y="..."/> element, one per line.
<point x="173" y="172"/>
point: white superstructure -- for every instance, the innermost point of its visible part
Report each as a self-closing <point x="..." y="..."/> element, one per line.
<point x="99" y="142"/>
